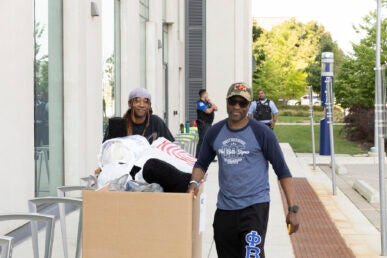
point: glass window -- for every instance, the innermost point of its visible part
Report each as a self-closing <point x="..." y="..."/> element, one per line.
<point x="144" y="17"/>
<point x="111" y="53"/>
<point x="165" y="43"/>
<point x="164" y="15"/>
<point x="48" y="89"/>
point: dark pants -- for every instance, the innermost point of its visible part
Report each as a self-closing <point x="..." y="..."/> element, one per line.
<point x="170" y="178"/>
<point x="41" y="133"/>
<point x="202" y="129"/>
<point x="241" y="233"/>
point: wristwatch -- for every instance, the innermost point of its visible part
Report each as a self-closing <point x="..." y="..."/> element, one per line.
<point x="196" y="183"/>
<point x="293" y="209"/>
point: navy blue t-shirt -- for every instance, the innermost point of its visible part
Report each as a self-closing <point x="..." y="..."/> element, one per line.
<point x="243" y="156"/>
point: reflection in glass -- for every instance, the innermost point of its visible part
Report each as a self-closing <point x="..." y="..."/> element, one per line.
<point x="48" y="93"/>
<point x="111" y="63"/>
<point x="144" y="17"/>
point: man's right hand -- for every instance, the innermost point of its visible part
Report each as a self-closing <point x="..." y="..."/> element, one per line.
<point x="196" y="179"/>
<point x="98" y="171"/>
<point x="193" y="189"/>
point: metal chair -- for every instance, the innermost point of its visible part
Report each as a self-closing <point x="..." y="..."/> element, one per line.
<point x="187" y="141"/>
<point x="42" y="155"/>
<point x="185" y="145"/>
<point x="6" y="244"/>
<point x="91" y="184"/>
<point x="32" y="204"/>
<point x="34" y="218"/>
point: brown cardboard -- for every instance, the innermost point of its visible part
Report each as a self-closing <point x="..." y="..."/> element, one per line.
<point x="140" y="225"/>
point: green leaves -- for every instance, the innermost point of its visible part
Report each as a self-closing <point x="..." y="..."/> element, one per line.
<point x="355" y="82"/>
<point x="288" y="58"/>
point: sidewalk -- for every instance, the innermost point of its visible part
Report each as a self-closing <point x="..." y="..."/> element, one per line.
<point x="354" y="229"/>
<point x="360" y="235"/>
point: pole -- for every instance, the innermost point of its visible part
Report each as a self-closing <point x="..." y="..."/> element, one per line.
<point x="312" y="125"/>
<point x="379" y="124"/>
<point x="327" y="62"/>
<point x="329" y="106"/>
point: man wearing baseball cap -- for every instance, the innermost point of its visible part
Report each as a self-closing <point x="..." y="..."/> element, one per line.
<point x="244" y="147"/>
<point x="138" y="119"/>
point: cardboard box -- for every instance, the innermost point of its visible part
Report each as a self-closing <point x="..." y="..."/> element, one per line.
<point x="140" y="225"/>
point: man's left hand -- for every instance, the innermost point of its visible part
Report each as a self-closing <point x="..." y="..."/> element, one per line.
<point x="292" y="222"/>
<point x="272" y="124"/>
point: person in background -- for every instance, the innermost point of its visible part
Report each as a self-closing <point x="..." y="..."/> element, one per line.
<point x="205" y="110"/>
<point x="264" y="110"/>
<point x="244" y="148"/>
<point x="41" y="119"/>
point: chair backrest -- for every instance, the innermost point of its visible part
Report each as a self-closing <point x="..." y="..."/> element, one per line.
<point x="6" y="244"/>
<point x="34" y="218"/>
<point x="187" y="141"/>
<point x="91" y="184"/>
<point x="33" y="203"/>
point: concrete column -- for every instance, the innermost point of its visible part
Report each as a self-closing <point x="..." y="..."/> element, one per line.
<point x="155" y="57"/>
<point x="153" y="85"/>
<point x="174" y="63"/>
<point x="82" y="89"/>
<point x="181" y="59"/>
<point x="17" y="177"/>
<point x="243" y="41"/>
<point x="220" y="52"/>
<point x="228" y="48"/>
<point x="130" y="59"/>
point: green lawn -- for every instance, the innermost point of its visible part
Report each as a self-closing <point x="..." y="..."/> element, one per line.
<point x="299" y="137"/>
<point x="297" y="119"/>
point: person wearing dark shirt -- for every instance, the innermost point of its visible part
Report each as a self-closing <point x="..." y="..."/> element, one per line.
<point x="138" y="120"/>
<point x="244" y="148"/>
<point x="41" y="119"/>
<point x="264" y="110"/>
<point x="205" y="110"/>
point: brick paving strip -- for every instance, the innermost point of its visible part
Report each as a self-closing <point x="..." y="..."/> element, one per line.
<point x="317" y="235"/>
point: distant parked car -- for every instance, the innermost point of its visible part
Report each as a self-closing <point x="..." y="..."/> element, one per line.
<point x="293" y="102"/>
<point x="305" y="100"/>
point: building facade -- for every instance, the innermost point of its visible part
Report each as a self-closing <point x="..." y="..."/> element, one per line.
<point x="67" y="66"/>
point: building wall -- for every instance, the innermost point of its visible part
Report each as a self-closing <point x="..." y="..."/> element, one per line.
<point x="130" y="58"/>
<point x="176" y="97"/>
<point x="155" y="71"/>
<point x="82" y="49"/>
<point x="16" y="107"/>
<point x="228" y="49"/>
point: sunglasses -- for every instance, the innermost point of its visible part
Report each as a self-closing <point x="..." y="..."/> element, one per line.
<point x="242" y="103"/>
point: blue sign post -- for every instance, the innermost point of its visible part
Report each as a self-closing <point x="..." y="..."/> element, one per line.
<point x="326" y="72"/>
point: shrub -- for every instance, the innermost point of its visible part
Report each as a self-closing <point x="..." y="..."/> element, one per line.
<point x="360" y="124"/>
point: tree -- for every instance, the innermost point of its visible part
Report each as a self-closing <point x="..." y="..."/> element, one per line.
<point x="109" y="72"/>
<point x="326" y="44"/>
<point x="41" y="62"/>
<point x="287" y="57"/>
<point x="256" y="31"/>
<point x="355" y="83"/>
